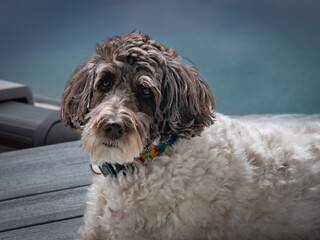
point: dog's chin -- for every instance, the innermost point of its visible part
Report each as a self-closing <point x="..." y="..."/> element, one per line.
<point x="102" y="151"/>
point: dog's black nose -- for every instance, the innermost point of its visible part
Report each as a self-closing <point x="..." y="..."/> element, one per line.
<point x="113" y="130"/>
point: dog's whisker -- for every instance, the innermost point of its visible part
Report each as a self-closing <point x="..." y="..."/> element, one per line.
<point x="110" y="144"/>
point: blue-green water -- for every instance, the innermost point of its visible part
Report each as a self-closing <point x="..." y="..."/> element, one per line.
<point x="258" y="56"/>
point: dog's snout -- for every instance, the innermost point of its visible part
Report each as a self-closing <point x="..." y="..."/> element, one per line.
<point x="113" y="130"/>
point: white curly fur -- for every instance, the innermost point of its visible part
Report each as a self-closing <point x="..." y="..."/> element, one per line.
<point x="236" y="181"/>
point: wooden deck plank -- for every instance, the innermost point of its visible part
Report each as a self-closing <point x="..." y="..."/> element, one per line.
<point x="62" y="230"/>
<point x="43" y="169"/>
<point x="42" y="208"/>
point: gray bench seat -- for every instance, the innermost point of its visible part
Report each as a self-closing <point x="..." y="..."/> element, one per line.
<point x="22" y="124"/>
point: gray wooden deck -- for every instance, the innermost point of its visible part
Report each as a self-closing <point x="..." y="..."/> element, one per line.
<point x="43" y="191"/>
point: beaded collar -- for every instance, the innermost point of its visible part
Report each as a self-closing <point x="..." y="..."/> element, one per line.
<point x="113" y="169"/>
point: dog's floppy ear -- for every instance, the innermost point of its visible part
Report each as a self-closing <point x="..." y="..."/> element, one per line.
<point x="187" y="106"/>
<point x="76" y="96"/>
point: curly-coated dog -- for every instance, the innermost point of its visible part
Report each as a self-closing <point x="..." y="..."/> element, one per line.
<point x="174" y="169"/>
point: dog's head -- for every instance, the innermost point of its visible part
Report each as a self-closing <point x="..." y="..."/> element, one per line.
<point x="131" y="92"/>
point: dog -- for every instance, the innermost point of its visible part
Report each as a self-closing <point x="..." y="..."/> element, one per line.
<point x="173" y="168"/>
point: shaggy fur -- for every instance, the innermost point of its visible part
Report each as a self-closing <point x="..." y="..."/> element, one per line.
<point x="222" y="179"/>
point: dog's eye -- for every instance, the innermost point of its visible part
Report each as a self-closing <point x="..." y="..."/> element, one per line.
<point x="106" y="82"/>
<point x="145" y="91"/>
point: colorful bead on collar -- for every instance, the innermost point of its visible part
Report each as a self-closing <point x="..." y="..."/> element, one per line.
<point x="155" y="150"/>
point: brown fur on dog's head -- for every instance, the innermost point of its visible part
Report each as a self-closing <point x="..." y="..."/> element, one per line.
<point x="132" y="66"/>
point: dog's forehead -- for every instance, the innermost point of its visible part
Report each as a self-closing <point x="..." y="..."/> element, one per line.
<point x="136" y="45"/>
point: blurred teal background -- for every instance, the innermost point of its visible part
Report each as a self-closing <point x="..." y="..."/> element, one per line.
<point x="258" y="56"/>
